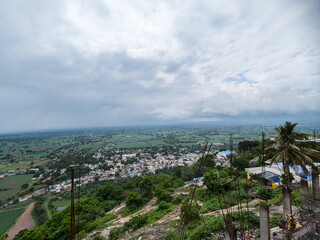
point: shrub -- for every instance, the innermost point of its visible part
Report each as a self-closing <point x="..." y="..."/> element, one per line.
<point x="202" y="230"/>
<point x="275" y="219"/>
<point x="115" y="233"/>
<point x="251" y="217"/>
<point x="98" y="237"/>
<point x="133" y="201"/>
<point x="211" y="205"/>
<point x="163" y="205"/>
<point x="147" y="186"/>
<point x="264" y="193"/>
<point x="218" y="180"/>
<point x="165" y="196"/>
<point x="170" y="236"/>
<point x="110" y="192"/>
<point x="296" y="197"/>
<point x="136" y="222"/>
<point x="188" y="213"/>
<point x="178" y="199"/>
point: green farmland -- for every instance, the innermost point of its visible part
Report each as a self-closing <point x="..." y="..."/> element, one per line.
<point x="27" y="150"/>
<point x="11" y="185"/>
<point x="8" y="218"/>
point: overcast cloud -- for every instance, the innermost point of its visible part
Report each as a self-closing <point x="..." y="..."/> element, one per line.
<point x="109" y="63"/>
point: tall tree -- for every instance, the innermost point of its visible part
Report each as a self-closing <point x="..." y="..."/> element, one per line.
<point x="289" y="154"/>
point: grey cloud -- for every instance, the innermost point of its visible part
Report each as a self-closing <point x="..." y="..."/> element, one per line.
<point x="73" y="64"/>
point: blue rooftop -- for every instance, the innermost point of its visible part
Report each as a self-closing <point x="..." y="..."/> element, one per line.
<point x="228" y="153"/>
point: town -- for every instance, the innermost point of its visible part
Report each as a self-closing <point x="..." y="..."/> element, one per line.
<point x="120" y="166"/>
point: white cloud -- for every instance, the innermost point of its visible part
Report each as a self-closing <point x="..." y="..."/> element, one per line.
<point x="158" y="61"/>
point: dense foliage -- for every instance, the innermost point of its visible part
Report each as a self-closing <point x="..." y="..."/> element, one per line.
<point x="134" y="192"/>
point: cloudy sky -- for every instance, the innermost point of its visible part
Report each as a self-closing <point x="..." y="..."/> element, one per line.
<point x="98" y="63"/>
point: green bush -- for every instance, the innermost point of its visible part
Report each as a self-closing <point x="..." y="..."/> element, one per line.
<point x="250" y="218"/>
<point x="115" y="233"/>
<point x="189" y="213"/>
<point x="136" y="222"/>
<point x="39" y="211"/>
<point x="146" y="186"/>
<point x="98" y="237"/>
<point x="276" y="198"/>
<point x="296" y="197"/>
<point x="163" y="206"/>
<point x="178" y="199"/>
<point x="218" y="180"/>
<point x="170" y="235"/>
<point x="133" y="201"/>
<point x="165" y="196"/>
<point x="264" y="193"/>
<point x="211" y="205"/>
<point x="110" y="192"/>
<point x="202" y="230"/>
<point x="275" y="219"/>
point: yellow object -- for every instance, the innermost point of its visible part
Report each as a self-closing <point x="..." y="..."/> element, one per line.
<point x="274" y="185"/>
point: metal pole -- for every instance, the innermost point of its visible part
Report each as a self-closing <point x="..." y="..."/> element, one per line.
<point x="79" y="182"/>
<point x="72" y="206"/>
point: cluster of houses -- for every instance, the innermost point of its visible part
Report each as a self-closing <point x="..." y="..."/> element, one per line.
<point x="119" y="169"/>
<point x="127" y="165"/>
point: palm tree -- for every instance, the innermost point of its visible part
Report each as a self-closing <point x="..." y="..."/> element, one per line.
<point x="283" y="151"/>
<point x="289" y="154"/>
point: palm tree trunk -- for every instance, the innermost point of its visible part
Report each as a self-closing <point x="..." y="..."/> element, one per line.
<point x="264" y="222"/>
<point x="286" y="191"/>
<point x="304" y="191"/>
<point x="315" y="183"/>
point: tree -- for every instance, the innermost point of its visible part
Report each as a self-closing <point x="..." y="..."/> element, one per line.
<point x="25" y="186"/>
<point x="147" y="187"/>
<point x="186" y="173"/>
<point x="242" y="161"/>
<point x="218" y="180"/>
<point x="289" y="154"/>
<point x="110" y="192"/>
<point x="133" y="201"/>
<point x="247" y="145"/>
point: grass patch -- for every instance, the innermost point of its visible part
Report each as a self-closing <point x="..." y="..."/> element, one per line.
<point x="11" y="185"/>
<point x="155" y="215"/>
<point x="98" y="224"/>
<point x="17" y="205"/>
<point x="127" y="212"/>
<point x="61" y="203"/>
<point x="8" y="218"/>
<point x="14" y="166"/>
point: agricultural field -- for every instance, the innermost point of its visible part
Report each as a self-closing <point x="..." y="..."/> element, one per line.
<point x="14" y="166"/>
<point x="8" y="218"/>
<point x="27" y="150"/>
<point x="11" y="185"/>
<point x="17" y="205"/>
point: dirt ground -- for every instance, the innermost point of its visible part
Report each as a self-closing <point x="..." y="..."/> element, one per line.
<point x="118" y="222"/>
<point x="24" y="222"/>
